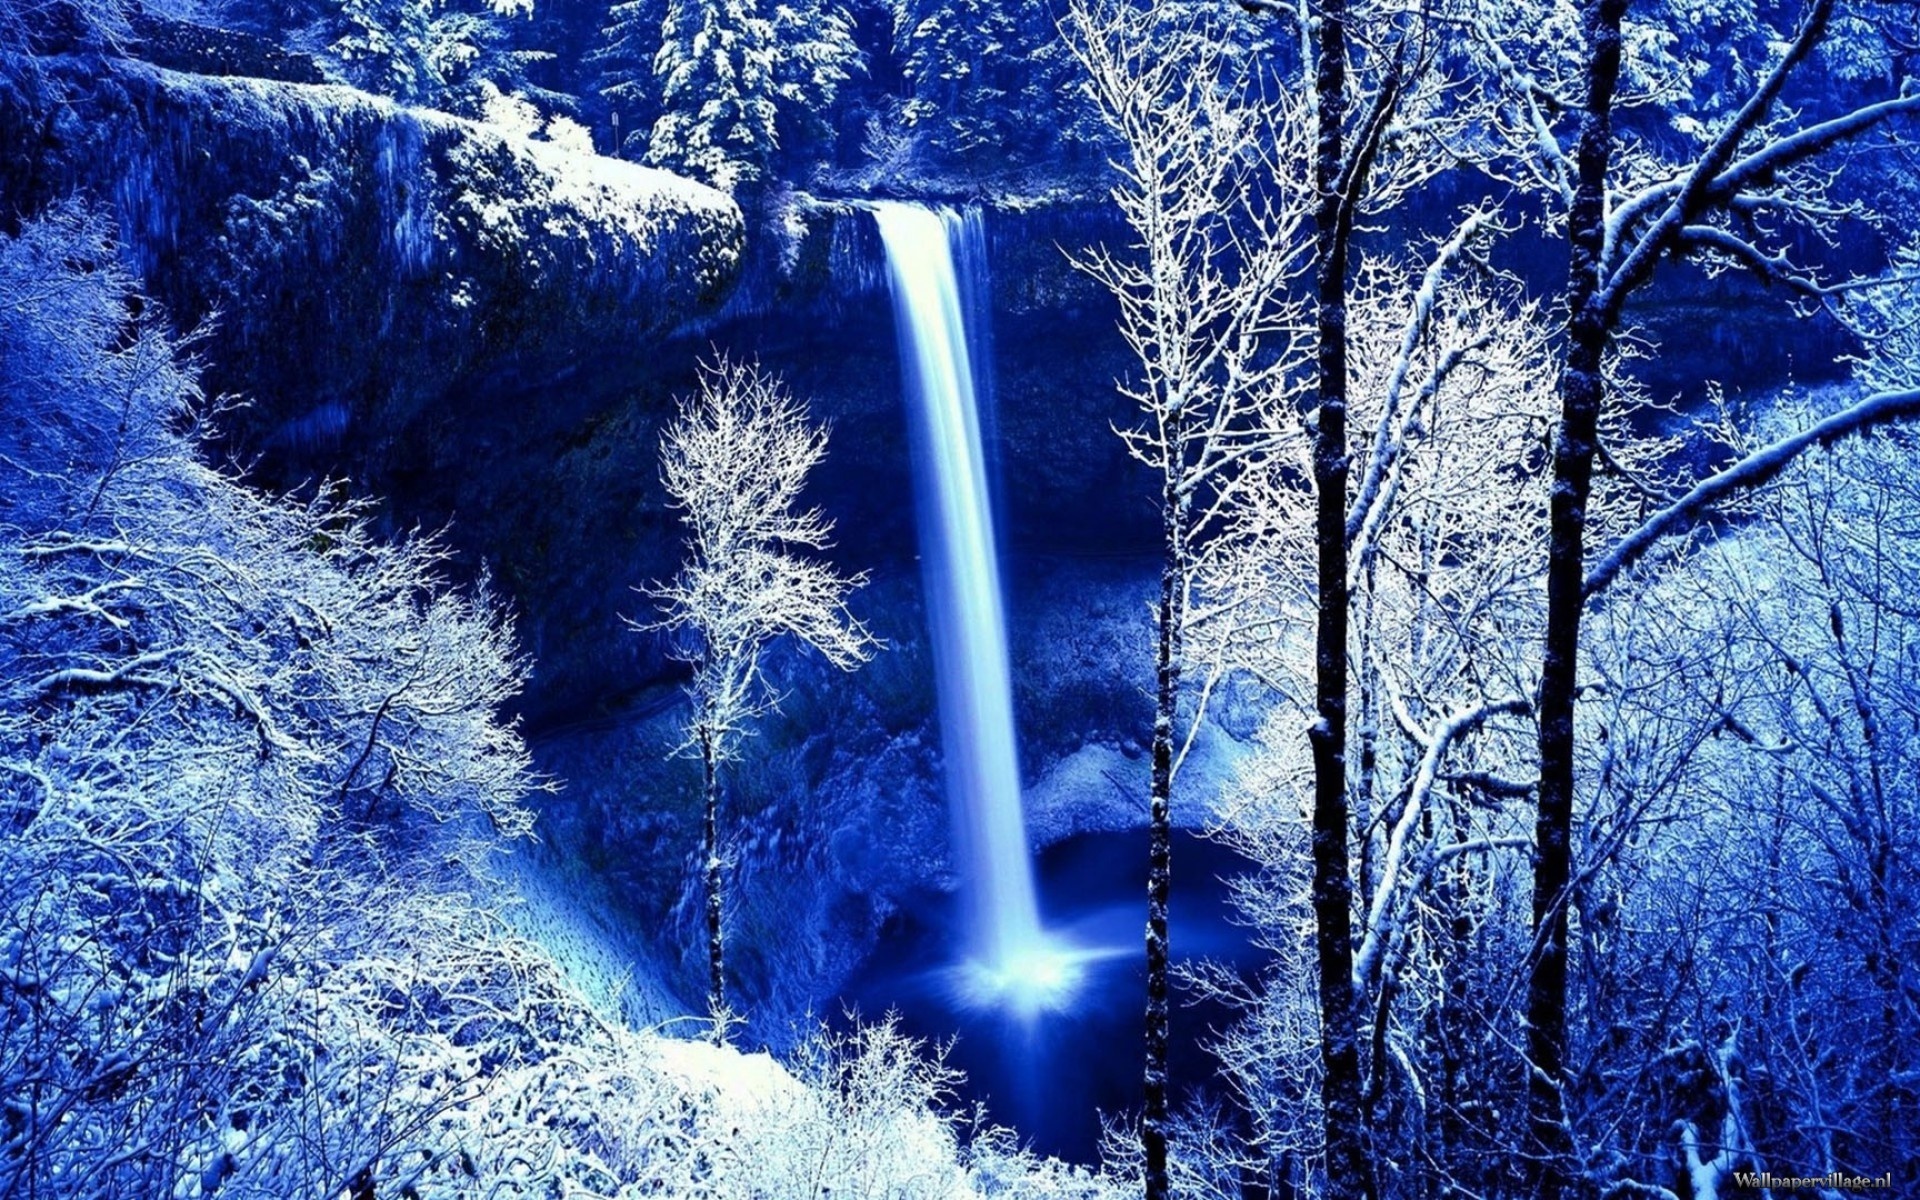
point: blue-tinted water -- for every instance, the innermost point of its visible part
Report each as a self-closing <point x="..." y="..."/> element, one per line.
<point x="1050" y="1076"/>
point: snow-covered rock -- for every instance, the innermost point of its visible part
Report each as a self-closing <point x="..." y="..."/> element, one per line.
<point x="365" y="263"/>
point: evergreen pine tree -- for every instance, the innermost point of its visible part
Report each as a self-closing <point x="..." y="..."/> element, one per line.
<point x="815" y="55"/>
<point x="436" y="53"/>
<point x="987" y="76"/>
<point x="629" y="42"/>
<point x="716" y="75"/>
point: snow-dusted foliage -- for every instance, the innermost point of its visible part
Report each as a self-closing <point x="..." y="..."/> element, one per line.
<point x="742" y="91"/>
<point x="986" y="78"/>
<point x="444" y="54"/>
<point x="715" y="66"/>
<point x="243" y="746"/>
<point x="628" y="39"/>
<point x="815" y="59"/>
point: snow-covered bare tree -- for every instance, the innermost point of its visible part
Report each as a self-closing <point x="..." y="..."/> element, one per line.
<point x="1449" y="380"/>
<point x="232" y="729"/>
<point x="1752" y="178"/>
<point x="734" y="464"/>
<point x="1755" y="693"/>
<point x="1203" y="304"/>
<point x="1387" y="119"/>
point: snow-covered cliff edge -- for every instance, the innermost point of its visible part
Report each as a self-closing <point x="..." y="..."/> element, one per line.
<point x="366" y="263"/>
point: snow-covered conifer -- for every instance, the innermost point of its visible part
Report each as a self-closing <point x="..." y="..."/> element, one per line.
<point x="629" y="41"/>
<point x="715" y="67"/>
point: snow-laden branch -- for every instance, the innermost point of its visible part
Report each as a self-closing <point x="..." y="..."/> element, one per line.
<point x="133" y="671"/>
<point x="88" y="604"/>
<point x="1750" y="472"/>
<point x="1775" y="268"/>
<point x="1769" y="159"/>
<point x="1386" y="446"/>
<point x="1380" y="922"/>
<point x="1708" y="174"/>
<point x="1528" y="93"/>
<point x="1728" y="187"/>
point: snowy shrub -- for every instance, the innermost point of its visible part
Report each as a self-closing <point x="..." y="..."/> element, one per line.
<point x="998" y="1166"/>
<point x="868" y="1122"/>
<point x="570" y="135"/>
<point x="511" y="113"/>
<point x="619" y="1114"/>
<point x="249" y="763"/>
<point x="861" y="1115"/>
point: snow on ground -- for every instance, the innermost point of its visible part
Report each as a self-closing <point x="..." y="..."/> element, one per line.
<point x="570" y="914"/>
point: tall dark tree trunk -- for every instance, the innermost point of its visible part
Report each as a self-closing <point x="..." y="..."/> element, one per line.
<point x="1153" y="1124"/>
<point x="716" y="959"/>
<point x="1596" y="290"/>
<point x="1349" y="1169"/>
<point x="1582" y="385"/>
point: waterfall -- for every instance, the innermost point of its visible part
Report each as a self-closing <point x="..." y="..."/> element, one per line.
<point x="1012" y="958"/>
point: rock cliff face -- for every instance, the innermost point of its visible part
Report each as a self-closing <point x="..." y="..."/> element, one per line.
<point x="365" y="266"/>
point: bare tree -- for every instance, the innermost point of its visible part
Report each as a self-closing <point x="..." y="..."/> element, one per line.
<point x="1201" y="292"/>
<point x="1395" y="342"/>
<point x="1449" y="375"/>
<point x="1386" y="119"/>
<point x="232" y="727"/>
<point x="1753" y="180"/>
<point x="1756" y="691"/>
<point x="734" y="464"/>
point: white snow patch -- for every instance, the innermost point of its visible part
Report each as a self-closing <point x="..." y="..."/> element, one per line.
<point x="748" y="1086"/>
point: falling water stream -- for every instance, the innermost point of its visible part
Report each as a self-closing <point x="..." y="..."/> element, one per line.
<point x="1044" y="995"/>
<point x="1012" y="961"/>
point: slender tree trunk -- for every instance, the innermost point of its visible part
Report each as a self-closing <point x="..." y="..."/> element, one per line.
<point x="1582" y="387"/>
<point x="716" y="961"/>
<point x="1451" y="1025"/>
<point x="1153" y="1124"/>
<point x="1349" y="1172"/>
